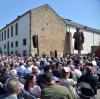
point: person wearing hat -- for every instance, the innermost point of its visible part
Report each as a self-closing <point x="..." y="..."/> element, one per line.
<point x="79" y="40"/>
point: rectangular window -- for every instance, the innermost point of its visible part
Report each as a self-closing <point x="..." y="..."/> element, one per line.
<point x="16" y="43"/>
<point x="8" y="32"/>
<point x="2" y="36"/>
<point x="24" y="42"/>
<point x="5" y="35"/>
<point x="11" y="52"/>
<point x="11" y="31"/>
<point x="24" y="52"/>
<point x="4" y="46"/>
<point x="11" y="44"/>
<point x="4" y="52"/>
<point x="16" y="52"/>
<point x="16" y="28"/>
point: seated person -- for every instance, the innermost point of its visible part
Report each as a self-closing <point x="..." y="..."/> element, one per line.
<point x="13" y="89"/>
<point x="69" y="82"/>
<point x="89" y="78"/>
<point x="4" y="75"/>
<point x="31" y="87"/>
<point x="53" y="91"/>
<point x="2" y="90"/>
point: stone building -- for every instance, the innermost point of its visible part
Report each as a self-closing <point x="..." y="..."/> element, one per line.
<point x="53" y="32"/>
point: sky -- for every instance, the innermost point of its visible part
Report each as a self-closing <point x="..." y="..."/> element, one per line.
<point x="85" y="12"/>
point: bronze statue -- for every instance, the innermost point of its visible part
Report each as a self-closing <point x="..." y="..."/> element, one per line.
<point x="79" y="40"/>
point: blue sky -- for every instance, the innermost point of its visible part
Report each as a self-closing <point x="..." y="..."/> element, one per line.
<point x="86" y="12"/>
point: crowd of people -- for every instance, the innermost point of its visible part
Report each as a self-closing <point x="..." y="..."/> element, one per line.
<point x="27" y="77"/>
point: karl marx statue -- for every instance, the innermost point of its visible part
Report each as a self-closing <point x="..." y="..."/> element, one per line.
<point x="79" y="40"/>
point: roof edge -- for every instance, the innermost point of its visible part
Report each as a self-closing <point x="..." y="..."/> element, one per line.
<point x="18" y="17"/>
<point x="70" y="22"/>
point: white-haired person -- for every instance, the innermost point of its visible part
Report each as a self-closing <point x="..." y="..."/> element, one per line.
<point x="13" y="75"/>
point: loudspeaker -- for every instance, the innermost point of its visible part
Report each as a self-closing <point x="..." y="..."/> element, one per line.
<point x="55" y="52"/>
<point x="35" y="41"/>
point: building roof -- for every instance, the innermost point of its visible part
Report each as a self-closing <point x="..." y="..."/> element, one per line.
<point x="74" y="24"/>
<point x="18" y="17"/>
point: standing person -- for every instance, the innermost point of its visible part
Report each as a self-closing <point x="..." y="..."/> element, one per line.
<point x="79" y="40"/>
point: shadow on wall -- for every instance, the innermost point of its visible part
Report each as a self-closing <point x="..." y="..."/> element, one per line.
<point x="67" y="46"/>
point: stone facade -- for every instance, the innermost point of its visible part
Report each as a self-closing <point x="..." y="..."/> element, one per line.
<point x="51" y="31"/>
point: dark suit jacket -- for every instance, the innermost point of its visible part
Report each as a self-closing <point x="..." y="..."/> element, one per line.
<point x="90" y="79"/>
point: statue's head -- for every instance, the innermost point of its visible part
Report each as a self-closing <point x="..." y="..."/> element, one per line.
<point x="77" y="29"/>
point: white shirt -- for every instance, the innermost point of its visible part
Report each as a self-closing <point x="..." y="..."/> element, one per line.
<point x="21" y="69"/>
<point x="78" y="73"/>
<point x="28" y="70"/>
<point x="68" y="82"/>
<point x="36" y="90"/>
<point x="94" y="63"/>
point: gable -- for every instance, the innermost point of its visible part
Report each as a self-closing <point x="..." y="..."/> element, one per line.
<point x="47" y="11"/>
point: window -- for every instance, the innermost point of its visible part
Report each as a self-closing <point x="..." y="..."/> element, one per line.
<point x="4" y="46"/>
<point x="8" y="47"/>
<point x="24" y="42"/>
<point x="8" y="32"/>
<point x="16" y="28"/>
<point x="2" y="36"/>
<point x="5" y="35"/>
<point x="4" y="52"/>
<point x="24" y="52"/>
<point x="11" y="52"/>
<point x="11" y="44"/>
<point x="16" y="52"/>
<point x="11" y="31"/>
<point x="16" y="43"/>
